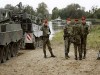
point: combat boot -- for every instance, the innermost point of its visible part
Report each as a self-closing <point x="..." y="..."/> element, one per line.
<point x="66" y="56"/>
<point x="80" y="57"/>
<point x="75" y="57"/>
<point x="44" y="54"/>
<point x="52" y="55"/>
<point x="84" y="56"/>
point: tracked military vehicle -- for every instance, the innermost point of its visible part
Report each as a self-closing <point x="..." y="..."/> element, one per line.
<point x="10" y="35"/>
<point x="18" y="30"/>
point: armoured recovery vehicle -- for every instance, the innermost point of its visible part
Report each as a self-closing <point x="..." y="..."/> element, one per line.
<point x="18" y="30"/>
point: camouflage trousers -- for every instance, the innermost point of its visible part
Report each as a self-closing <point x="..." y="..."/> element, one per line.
<point x="77" y="47"/>
<point x="46" y="41"/>
<point x="83" y="45"/>
<point x="67" y="45"/>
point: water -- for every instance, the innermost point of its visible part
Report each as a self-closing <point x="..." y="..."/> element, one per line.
<point x="53" y="29"/>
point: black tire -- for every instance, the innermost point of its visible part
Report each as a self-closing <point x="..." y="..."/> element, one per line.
<point x="8" y="48"/>
<point x="12" y="51"/>
<point x="34" y="45"/>
<point x="0" y="55"/>
<point x="3" y="54"/>
<point x="16" y="48"/>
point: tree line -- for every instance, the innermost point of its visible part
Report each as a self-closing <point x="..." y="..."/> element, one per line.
<point x="75" y="11"/>
<point x="72" y="11"/>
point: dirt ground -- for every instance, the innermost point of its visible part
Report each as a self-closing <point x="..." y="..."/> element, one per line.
<point x="31" y="62"/>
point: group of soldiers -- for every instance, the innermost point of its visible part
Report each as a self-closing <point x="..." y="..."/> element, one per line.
<point x="76" y="34"/>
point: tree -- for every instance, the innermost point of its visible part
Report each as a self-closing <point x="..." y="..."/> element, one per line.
<point x="42" y="9"/>
<point x="72" y="11"/>
<point x="55" y="13"/>
<point x="29" y="9"/>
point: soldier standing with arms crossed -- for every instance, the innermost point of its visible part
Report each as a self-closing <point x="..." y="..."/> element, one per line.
<point x="77" y="39"/>
<point x="46" y="32"/>
<point x="67" y="35"/>
<point x="85" y="31"/>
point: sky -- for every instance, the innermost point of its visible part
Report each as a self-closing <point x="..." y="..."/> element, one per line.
<point x="53" y="3"/>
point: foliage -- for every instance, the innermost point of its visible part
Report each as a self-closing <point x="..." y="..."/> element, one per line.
<point x="55" y="13"/>
<point x="42" y="10"/>
<point x="72" y="11"/>
<point x="29" y="9"/>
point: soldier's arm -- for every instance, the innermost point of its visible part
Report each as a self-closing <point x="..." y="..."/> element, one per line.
<point x="49" y="30"/>
<point x="87" y="29"/>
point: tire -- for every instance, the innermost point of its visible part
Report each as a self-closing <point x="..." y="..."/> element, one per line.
<point x="3" y="55"/>
<point x="16" y="48"/>
<point x="0" y="55"/>
<point x="12" y="50"/>
<point x="8" y="48"/>
<point x="34" y="45"/>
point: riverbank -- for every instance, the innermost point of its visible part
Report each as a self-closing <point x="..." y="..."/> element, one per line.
<point x="32" y="62"/>
<point x="93" y="39"/>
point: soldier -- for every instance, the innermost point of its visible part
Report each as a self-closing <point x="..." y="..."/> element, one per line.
<point x="46" y="32"/>
<point x="67" y="35"/>
<point x="77" y="39"/>
<point x="85" y="31"/>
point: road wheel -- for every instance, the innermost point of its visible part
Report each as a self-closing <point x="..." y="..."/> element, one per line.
<point x="12" y="50"/>
<point x="8" y="48"/>
<point x="4" y="54"/>
<point x="16" y="48"/>
<point x="0" y="54"/>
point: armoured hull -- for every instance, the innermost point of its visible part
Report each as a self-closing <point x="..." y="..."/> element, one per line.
<point x="10" y="38"/>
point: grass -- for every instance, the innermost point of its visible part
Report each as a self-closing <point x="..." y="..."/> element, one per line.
<point x="58" y="38"/>
<point x="93" y="40"/>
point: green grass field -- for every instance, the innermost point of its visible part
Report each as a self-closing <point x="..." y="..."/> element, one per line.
<point x="58" y="38"/>
<point x="93" y="40"/>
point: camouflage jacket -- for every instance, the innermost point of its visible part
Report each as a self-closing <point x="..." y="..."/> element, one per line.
<point x="76" y="33"/>
<point x="67" y="30"/>
<point x="84" y="30"/>
<point x="46" y="31"/>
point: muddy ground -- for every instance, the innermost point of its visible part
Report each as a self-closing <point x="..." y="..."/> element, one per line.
<point x="31" y="62"/>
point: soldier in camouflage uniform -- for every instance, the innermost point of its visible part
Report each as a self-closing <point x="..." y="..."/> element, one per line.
<point x="67" y="35"/>
<point x="85" y="31"/>
<point x="46" y="32"/>
<point x="77" y="39"/>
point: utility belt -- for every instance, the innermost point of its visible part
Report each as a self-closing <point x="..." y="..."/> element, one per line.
<point x="47" y="36"/>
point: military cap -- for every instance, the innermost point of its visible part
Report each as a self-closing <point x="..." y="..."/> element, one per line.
<point x="68" y="19"/>
<point x="76" y="20"/>
<point x="83" y="18"/>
